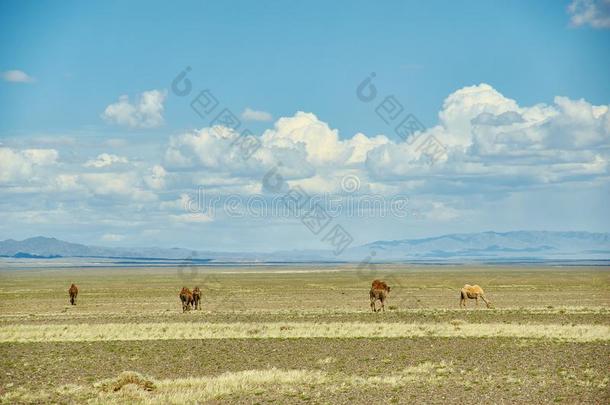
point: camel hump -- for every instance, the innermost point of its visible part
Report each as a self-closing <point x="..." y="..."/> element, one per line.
<point x="473" y="289"/>
<point x="379" y="285"/>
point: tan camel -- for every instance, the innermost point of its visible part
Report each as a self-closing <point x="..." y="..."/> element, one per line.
<point x="473" y="292"/>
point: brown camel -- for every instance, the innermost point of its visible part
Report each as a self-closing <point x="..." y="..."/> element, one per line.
<point x="473" y="292"/>
<point x="187" y="299"/>
<point x="73" y="291"/>
<point x="197" y="298"/>
<point x="379" y="292"/>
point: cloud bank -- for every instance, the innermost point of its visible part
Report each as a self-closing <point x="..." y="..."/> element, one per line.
<point x="496" y="151"/>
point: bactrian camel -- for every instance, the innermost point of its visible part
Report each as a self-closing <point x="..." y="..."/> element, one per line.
<point x="473" y="292"/>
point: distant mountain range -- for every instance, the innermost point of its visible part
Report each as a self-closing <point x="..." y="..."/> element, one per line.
<point x="496" y="245"/>
<point x="484" y="246"/>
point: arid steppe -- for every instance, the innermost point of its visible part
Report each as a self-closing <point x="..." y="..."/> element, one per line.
<point x="292" y="334"/>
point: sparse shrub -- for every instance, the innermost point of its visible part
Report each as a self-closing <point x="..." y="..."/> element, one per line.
<point x="457" y="323"/>
<point x="327" y="360"/>
<point x="126" y="378"/>
<point x="392" y="307"/>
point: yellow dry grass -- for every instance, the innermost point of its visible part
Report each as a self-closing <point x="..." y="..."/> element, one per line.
<point x="133" y="388"/>
<point x="166" y="330"/>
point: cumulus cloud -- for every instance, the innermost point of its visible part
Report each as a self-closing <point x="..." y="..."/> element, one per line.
<point x="65" y="182"/>
<point x="156" y="178"/>
<point x="301" y="145"/>
<point x="105" y="160"/>
<point x="127" y="185"/>
<point x="486" y="138"/>
<point x="595" y="13"/>
<point x="21" y="165"/>
<point x="147" y="112"/>
<point x="490" y="138"/>
<point x="17" y="76"/>
<point x="256" y="115"/>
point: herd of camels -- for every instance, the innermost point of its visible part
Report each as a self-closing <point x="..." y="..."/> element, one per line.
<point x="379" y="292"/>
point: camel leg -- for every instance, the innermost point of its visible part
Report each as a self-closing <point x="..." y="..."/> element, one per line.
<point x="382" y="305"/>
<point x="477" y="301"/>
<point x="485" y="301"/>
<point x="373" y="299"/>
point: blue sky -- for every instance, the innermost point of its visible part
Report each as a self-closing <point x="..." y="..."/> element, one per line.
<point x="81" y="165"/>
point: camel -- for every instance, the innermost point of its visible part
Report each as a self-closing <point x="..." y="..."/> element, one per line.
<point x="187" y="299"/>
<point x="474" y="292"/>
<point x="379" y="291"/>
<point x="197" y="298"/>
<point x="73" y="291"/>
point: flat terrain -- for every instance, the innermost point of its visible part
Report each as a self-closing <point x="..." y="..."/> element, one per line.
<point x="290" y="334"/>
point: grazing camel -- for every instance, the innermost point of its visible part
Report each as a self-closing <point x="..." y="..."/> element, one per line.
<point x="474" y="292"/>
<point x="379" y="292"/>
<point x="197" y="298"/>
<point x="73" y="291"/>
<point x="187" y="299"/>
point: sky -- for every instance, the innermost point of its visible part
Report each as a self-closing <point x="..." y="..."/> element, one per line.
<point x="391" y="121"/>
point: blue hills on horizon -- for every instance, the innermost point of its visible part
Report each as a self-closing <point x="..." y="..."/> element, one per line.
<point x="480" y="246"/>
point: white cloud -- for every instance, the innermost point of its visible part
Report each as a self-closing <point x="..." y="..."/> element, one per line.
<point x="256" y="115"/>
<point x="65" y="182"/>
<point x="488" y="139"/>
<point x="302" y="145"/>
<point x="20" y="165"/>
<point x="126" y="185"/>
<point x="191" y="218"/>
<point x="184" y="203"/>
<point x="112" y="237"/>
<point x="156" y="179"/>
<point x="595" y="13"/>
<point x="105" y="160"/>
<point x="491" y="139"/>
<point x="17" y="76"/>
<point x="146" y="113"/>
